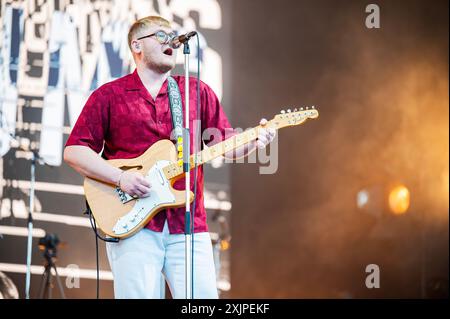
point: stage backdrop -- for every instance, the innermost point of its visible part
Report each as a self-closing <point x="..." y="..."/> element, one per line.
<point x="378" y="75"/>
<point x="53" y="55"/>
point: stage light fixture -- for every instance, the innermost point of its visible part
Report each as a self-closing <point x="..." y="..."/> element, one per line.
<point x="399" y="200"/>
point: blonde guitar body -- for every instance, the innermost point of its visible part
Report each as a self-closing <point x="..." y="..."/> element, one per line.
<point x="118" y="214"/>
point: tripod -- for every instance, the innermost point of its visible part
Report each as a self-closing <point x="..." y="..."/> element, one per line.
<point x="46" y="281"/>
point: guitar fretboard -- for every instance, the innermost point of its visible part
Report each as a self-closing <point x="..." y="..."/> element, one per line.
<point x="281" y="120"/>
<point x="212" y="152"/>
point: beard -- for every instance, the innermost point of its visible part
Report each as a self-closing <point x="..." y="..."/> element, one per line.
<point x="160" y="67"/>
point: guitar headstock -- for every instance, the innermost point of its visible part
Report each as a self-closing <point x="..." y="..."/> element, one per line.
<point x="294" y="117"/>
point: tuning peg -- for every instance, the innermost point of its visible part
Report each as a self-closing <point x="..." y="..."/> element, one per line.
<point x="313" y="107"/>
<point x="306" y="107"/>
<point x="301" y="109"/>
<point x="283" y="111"/>
<point x="289" y="110"/>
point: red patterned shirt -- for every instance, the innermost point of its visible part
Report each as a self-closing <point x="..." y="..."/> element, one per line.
<point x="124" y="120"/>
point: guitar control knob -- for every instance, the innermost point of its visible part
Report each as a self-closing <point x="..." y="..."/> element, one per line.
<point x="283" y="111"/>
<point x="289" y="110"/>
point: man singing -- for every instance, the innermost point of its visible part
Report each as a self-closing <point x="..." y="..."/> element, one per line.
<point x="122" y="119"/>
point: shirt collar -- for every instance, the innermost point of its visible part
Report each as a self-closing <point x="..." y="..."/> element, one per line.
<point x="134" y="83"/>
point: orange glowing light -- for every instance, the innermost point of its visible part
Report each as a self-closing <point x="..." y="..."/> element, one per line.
<point x="399" y="200"/>
<point x="224" y="244"/>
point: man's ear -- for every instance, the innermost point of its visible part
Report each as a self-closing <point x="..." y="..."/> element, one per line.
<point x="136" y="46"/>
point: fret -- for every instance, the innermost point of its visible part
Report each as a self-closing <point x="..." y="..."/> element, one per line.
<point x="204" y="157"/>
<point x="197" y="159"/>
<point x="228" y="145"/>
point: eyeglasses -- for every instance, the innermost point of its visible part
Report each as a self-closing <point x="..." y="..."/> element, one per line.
<point x="161" y="36"/>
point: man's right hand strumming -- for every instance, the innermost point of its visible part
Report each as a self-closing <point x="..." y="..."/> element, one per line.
<point x="88" y="163"/>
<point x="134" y="184"/>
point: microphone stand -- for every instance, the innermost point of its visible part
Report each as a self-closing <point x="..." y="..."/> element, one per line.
<point x="186" y="168"/>
<point x="35" y="157"/>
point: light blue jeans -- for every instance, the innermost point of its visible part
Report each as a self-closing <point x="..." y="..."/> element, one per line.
<point x="138" y="262"/>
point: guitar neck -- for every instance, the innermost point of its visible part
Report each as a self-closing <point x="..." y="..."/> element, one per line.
<point x="219" y="149"/>
<point x="279" y="121"/>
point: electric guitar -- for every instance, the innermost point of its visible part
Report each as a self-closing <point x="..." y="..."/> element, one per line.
<point x="120" y="215"/>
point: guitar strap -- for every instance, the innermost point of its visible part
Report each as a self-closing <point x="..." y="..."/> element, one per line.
<point x="176" y="110"/>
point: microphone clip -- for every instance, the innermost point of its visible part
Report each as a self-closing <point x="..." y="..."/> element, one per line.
<point x="176" y="42"/>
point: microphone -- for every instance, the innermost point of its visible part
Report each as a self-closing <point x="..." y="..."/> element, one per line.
<point x="176" y="42"/>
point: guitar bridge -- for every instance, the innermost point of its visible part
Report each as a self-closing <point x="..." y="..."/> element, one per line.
<point x="124" y="197"/>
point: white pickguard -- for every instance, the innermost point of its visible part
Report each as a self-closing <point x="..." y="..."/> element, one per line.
<point x="160" y="194"/>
